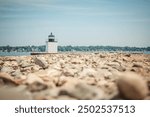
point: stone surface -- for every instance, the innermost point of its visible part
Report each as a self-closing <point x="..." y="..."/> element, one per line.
<point x="15" y="93"/>
<point x="137" y="65"/>
<point x="25" y="64"/>
<point x="132" y="86"/>
<point x="6" y="69"/>
<point x="81" y="90"/>
<point x="41" y="62"/>
<point x="7" y="79"/>
<point x="37" y="86"/>
<point x="76" y="75"/>
<point x="32" y="78"/>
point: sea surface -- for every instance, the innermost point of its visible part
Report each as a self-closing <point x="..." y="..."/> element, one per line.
<point x="14" y="53"/>
<point x="28" y="53"/>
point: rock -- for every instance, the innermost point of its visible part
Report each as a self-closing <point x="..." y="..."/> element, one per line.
<point x="35" y="68"/>
<point x="52" y="73"/>
<point x="137" y="65"/>
<point x="102" y="56"/>
<point x="37" y="86"/>
<point x="103" y="73"/>
<point x="46" y="94"/>
<point x="147" y="98"/>
<point x="10" y="58"/>
<point x="69" y="72"/>
<point x="90" y="80"/>
<point x="17" y="73"/>
<point x="61" y="81"/>
<point x="41" y="62"/>
<point x="25" y="64"/>
<point x="6" y="69"/>
<point x="31" y="78"/>
<point x="110" y="89"/>
<point x="128" y="55"/>
<point x="64" y="97"/>
<point x="104" y="67"/>
<point x="1" y="62"/>
<point x="124" y="59"/>
<point x="7" y="79"/>
<point x="120" y="68"/>
<point x="14" y="63"/>
<point x="113" y="64"/>
<point x="76" y="61"/>
<point x="15" y="93"/>
<point x="132" y="86"/>
<point x="22" y="77"/>
<point x="88" y="72"/>
<point x="81" y="90"/>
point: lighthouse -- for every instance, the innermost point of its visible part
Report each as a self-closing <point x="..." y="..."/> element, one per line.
<point x="51" y="44"/>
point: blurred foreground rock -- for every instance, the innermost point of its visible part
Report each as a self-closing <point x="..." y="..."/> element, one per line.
<point x="132" y="86"/>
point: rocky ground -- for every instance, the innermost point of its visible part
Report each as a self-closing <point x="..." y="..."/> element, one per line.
<point x="76" y="76"/>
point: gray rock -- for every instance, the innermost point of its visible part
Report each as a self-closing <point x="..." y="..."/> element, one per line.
<point x="25" y="64"/>
<point x="6" y="69"/>
<point x="41" y="62"/>
<point x="17" y="73"/>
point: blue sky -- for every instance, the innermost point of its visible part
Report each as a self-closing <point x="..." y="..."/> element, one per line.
<point x="75" y="22"/>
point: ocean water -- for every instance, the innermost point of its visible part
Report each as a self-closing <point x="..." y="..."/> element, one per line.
<point x="28" y="53"/>
<point x="147" y="52"/>
<point x="14" y="53"/>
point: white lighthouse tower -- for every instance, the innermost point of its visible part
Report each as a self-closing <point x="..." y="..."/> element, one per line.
<point x="51" y="44"/>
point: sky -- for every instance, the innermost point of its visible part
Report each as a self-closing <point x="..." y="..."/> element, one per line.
<point x="75" y="22"/>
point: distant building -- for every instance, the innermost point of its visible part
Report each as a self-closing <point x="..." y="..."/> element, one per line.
<point x="51" y="44"/>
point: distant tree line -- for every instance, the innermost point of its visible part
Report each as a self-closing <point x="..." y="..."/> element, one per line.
<point x="42" y="48"/>
<point x="22" y="48"/>
<point x="101" y="48"/>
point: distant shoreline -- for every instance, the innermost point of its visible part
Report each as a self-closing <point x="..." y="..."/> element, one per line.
<point x="29" y="53"/>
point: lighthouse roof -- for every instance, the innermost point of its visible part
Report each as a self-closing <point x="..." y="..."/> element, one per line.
<point x="51" y="35"/>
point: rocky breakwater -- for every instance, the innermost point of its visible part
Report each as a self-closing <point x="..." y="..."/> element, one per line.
<point x="75" y="76"/>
